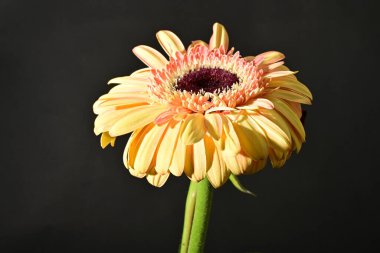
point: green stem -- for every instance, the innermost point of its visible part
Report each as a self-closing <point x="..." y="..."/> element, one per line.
<point x="189" y="214"/>
<point x="197" y="214"/>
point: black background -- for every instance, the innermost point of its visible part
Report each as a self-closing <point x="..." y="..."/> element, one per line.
<point x="60" y="192"/>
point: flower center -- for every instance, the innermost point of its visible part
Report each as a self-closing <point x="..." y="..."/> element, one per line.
<point x="207" y="80"/>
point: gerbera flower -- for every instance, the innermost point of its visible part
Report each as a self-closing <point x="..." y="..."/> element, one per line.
<point x="205" y="111"/>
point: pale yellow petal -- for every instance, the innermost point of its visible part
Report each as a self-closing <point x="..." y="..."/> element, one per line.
<point x="277" y="137"/>
<point x="278" y="157"/>
<point x="220" y="108"/>
<point x="136" y="117"/>
<point x="193" y="128"/>
<point x="133" y="96"/>
<point x="189" y="162"/>
<point x="157" y="180"/>
<point x="129" y="80"/>
<point x="297" y="140"/>
<point x="256" y="103"/>
<point x="219" y="37"/>
<point x="144" y="72"/>
<point x="170" y="43"/>
<point x="252" y="138"/>
<point x="119" y="102"/>
<point x="218" y="173"/>
<point x="178" y="161"/>
<point x="255" y="166"/>
<point x="112" y="107"/>
<point x="271" y="57"/>
<point x="106" y="139"/>
<point x="296" y="107"/>
<point x="107" y="119"/>
<point x="209" y="143"/>
<point x="133" y="145"/>
<point x="150" y="56"/>
<point x="147" y="148"/>
<point x="237" y="164"/>
<point x="130" y="88"/>
<point x="214" y="125"/>
<point x="136" y="174"/>
<point x="200" y="160"/>
<point x="231" y="141"/>
<point x="284" y="68"/>
<point x="276" y="74"/>
<point x="290" y="95"/>
<point x="167" y="147"/>
<point x="197" y="43"/>
<point x="274" y="65"/>
<point x="291" y="84"/>
<point x="276" y="118"/>
<point x="290" y="115"/>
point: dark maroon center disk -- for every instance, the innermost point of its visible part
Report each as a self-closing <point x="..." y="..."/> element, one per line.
<point x="207" y="79"/>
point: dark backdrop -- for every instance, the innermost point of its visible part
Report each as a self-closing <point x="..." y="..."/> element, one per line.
<point x="60" y="192"/>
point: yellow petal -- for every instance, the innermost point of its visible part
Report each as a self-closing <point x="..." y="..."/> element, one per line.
<point x="276" y="118"/>
<point x="252" y="138"/>
<point x="290" y="95"/>
<point x="135" y="118"/>
<point x="167" y="147"/>
<point x="297" y="140"/>
<point x="170" y="43"/>
<point x="290" y="115"/>
<point x="274" y="65"/>
<point x="189" y="162"/>
<point x="209" y="143"/>
<point x="106" y="139"/>
<point x="136" y="174"/>
<point x="144" y="72"/>
<point x="218" y="173"/>
<point x="276" y="74"/>
<point x="220" y="108"/>
<point x="277" y="137"/>
<point x="157" y="180"/>
<point x="197" y="43"/>
<point x="214" y="125"/>
<point x="284" y="68"/>
<point x="219" y="37"/>
<point x="107" y="119"/>
<point x="119" y="101"/>
<point x="129" y="80"/>
<point x="109" y="109"/>
<point x="193" y="128"/>
<point x="147" y="148"/>
<point x="256" y="103"/>
<point x="296" y="107"/>
<point x="150" y="56"/>
<point x="271" y="57"/>
<point x="130" y="88"/>
<point x="237" y="164"/>
<point x="133" y="145"/>
<point x="255" y="166"/>
<point x="231" y="141"/>
<point x="178" y="161"/>
<point x="278" y="157"/>
<point x="291" y="84"/>
<point x="133" y="96"/>
<point x="200" y="160"/>
<point x="284" y="124"/>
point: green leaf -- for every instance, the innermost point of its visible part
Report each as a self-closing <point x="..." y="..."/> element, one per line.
<point x="236" y="182"/>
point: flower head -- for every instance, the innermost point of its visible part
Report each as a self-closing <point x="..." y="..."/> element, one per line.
<point x="206" y="111"/>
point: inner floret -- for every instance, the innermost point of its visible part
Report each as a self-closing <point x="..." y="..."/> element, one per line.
<point x="207" y="80"/>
